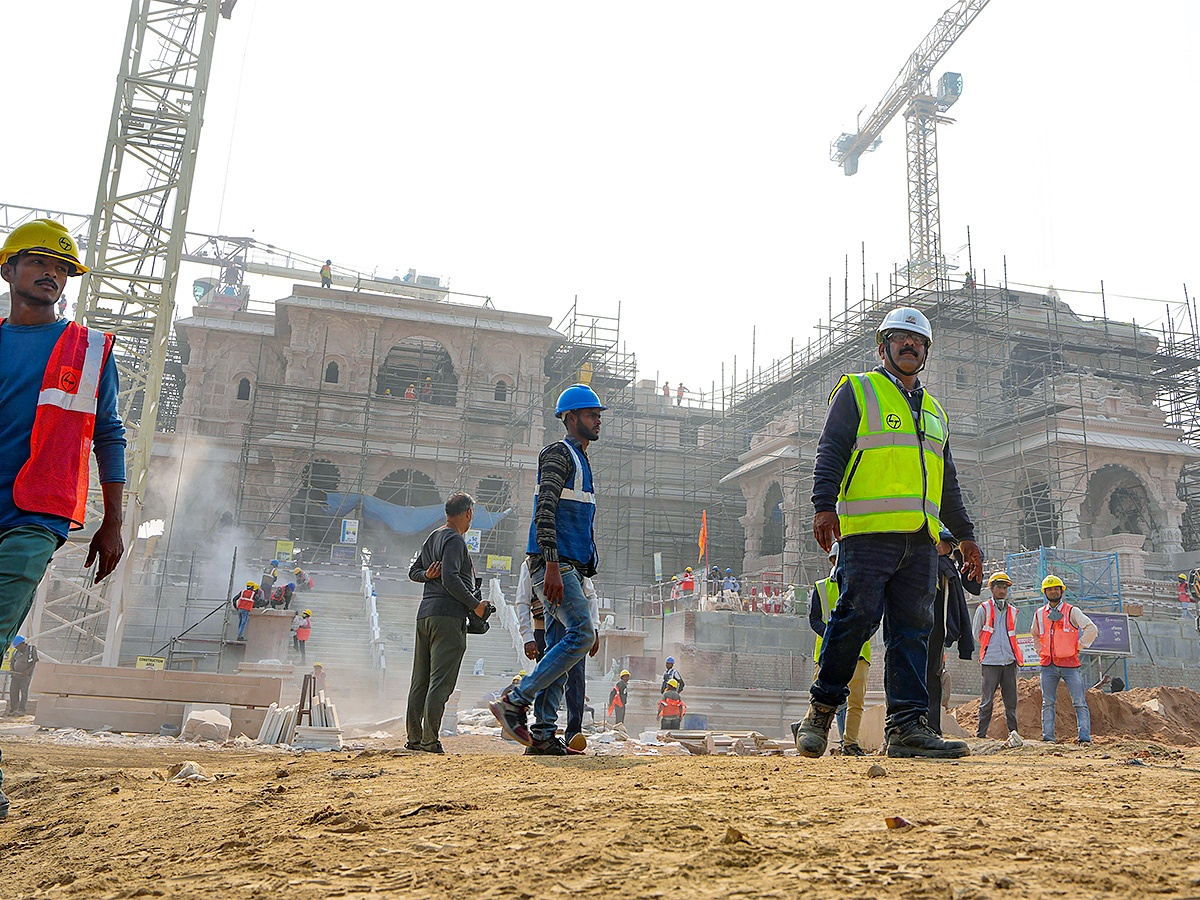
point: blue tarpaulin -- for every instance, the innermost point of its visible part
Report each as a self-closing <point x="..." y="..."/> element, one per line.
<point x="405" y="519"/>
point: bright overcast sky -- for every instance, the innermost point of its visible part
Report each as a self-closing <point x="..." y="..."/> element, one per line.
<point x="669" y="157"/>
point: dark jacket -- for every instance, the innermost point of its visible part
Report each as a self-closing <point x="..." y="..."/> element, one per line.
<point x="958" y="616"/>
<point x="24" y="658"/>
<point x="454" y="593"/>
<point x="836" y="447"/>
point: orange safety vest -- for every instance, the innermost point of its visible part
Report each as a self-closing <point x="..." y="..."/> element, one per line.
<point x="669" y="707"/>
<point x="616" y="702"/>
<point x="989" y="626"/>
<point x="304" y="629"/>
<point x="1060" y="640"/>
<point x="246" y="599"/>
<point x="54" y="480"/>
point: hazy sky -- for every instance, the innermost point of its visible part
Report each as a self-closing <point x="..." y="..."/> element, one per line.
<point x="669" y="157"/>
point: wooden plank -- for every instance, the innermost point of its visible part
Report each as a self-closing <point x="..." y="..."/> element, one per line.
<point x="150" y="684"/>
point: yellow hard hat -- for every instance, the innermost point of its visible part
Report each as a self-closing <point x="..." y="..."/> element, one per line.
<point x="296" y="571"/>
<point x="318" y="666"/>
<point x="251" y="584"/>
<point x="673" y="683"/>
<point x="308" y="612"/>
<point x="624" y="672"/>
<point x="1052" y="581"/>
<point x="688" y="569"/>
<point x="44" y="236"/>
<point x="522" y="673"/>
<point x="1001" y="577"/>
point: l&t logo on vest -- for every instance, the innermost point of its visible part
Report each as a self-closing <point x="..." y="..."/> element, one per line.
<point x="68" y="381"/>
<point x="892" y="420"/>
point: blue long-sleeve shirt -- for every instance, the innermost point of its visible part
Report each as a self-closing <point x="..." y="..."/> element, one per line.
<point x="24" y="353"/>
<point x="836" y="446"/>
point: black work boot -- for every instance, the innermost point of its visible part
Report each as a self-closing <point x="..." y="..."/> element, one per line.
<point x="917" y="740"/>
<point x="812" y="735"/>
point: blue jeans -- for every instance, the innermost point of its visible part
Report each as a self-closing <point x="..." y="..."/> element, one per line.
<point x="543" y="687"/>
<point x="576" y="681"/>
<point x="243" y="618"/>
<point x="890" y="577"/>
<point x="1073" y="676"/>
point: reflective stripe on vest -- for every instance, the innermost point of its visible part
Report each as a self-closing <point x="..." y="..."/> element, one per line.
<point x="894" y="480"/>
<point x="989" y="626"/>
<point x="669" y="707"/>
<point x="1057" y="637"/>
<point x="828" y="592"/>
<point x="54" y="480"/>
<point x="246" y="600"/>
<point x="576" y="515"/>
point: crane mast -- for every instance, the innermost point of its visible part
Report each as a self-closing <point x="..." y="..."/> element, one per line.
<point x="911" y="93"/>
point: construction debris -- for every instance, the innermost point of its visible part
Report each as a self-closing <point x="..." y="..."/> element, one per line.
<point x="734" y="743"/>
<point x="206" y="725"/>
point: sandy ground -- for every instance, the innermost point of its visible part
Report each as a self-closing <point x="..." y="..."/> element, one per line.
<point x="485" y="822"/>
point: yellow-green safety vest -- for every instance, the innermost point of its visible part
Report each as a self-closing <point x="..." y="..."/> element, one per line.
<point x="827" y="590"/>
<point x="894" y="480"/>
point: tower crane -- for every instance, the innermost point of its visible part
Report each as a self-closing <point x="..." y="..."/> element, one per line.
<point x="911" y="93"/>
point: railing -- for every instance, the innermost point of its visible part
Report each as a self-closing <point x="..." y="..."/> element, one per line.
<point x="374" y="638"/>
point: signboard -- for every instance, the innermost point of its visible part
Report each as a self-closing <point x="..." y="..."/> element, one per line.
<point x="6" y="666"/>
<point x="472" y="537"/>
<point x="344" y="554"/>
<point x="349" y="531"/>
<point x="658" y="567"/>
<point x="499" y="563"/>
<point x="1114" y="638"/>
<point x="283" y="550"/>
<point x="151" y="662"/>
<point x="1030" y="651"/>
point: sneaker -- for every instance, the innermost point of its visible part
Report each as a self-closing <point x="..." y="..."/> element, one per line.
<point x="918" y="740"/>
<point x="1084" y="743"/>
<point x="436" y="748"/>
<point x="849" y="749"/>
<point x="512" y="718"/>
<point x="812" y="735"/>
<point x="414" y="747"/>
<point x="577" y="742"/>
<point x="552" y="747"/>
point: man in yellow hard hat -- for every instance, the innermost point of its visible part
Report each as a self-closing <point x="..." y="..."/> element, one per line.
<point x="883" y="478"/>
<point x="618" y="698"/>
<point x="1061" y="629"/>
<point x="58" y="397"/>
<point x="995" y="627"/>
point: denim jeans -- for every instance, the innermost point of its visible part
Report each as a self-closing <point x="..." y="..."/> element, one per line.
<point x="576" y="680"/>
<point x="543" y="687"/>
<point x="890" y="577"/>
<point x="243" y="618"/>
<point x="1073" y="676"/>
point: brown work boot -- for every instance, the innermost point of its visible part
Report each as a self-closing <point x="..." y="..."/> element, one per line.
<point x="812" y="735"/>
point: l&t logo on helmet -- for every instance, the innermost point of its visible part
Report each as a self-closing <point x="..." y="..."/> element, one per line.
<point x="65" y="243"/>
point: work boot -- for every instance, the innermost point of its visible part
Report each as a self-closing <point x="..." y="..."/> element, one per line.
<point x="917" y="740"/>
<point x="512" y="718"/>
<point x="849" y="749"/>
<point x="812" y="735"/>
<point x="549" y="747"/>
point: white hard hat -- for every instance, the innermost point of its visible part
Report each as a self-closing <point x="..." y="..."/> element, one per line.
<point x="906" y="318"/>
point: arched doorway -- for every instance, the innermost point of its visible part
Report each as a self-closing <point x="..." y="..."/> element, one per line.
<point x="408" y="487"/>
<point x="1117" y="502"/>
<point x="423" y="364"/>
<point x="309" y="521"/>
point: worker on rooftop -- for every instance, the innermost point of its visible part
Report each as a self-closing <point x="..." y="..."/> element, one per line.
<point x="327" y="274"/>
<point x="883" y="477"/>
<point x="58" y="398"/>
<point x="1061" y="629"/>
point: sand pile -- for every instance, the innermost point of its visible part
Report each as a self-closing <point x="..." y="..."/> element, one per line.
<point x="1168" y="715"/>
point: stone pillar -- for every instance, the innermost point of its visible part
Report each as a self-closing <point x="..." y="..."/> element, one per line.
<point x="268" y="634"/>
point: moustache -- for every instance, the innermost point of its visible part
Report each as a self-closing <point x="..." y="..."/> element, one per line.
<point x="909" y="350"/>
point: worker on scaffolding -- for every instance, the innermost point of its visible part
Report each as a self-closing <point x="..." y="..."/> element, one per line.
<point x="883" y="477"/>
<point x="411" y="393"/>
<point x="427" y="390"/>
<point x="58" y="394"/>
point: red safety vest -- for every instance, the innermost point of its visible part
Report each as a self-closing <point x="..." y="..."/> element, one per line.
<point x="990" y="625"/>
<point x="246" y="599"/>
<point x="54" y="480"/>
<point x="304" y="629"/>
<point x="687" y="583"/>
<point x="1060" y="640"/>
<point x="669" y="707"/>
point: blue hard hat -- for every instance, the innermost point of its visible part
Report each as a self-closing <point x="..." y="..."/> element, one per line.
<point x="292" y="585"/>
<point x="729" y="571"/>
<point x="670" y="660"/>
<point x="577" y="396"/>
<point x="18" y="641"/>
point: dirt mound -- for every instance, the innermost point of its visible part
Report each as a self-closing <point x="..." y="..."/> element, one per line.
<point x="1123" y="715"/>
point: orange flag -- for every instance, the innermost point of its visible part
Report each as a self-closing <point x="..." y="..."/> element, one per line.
<point x="703" y="540"/>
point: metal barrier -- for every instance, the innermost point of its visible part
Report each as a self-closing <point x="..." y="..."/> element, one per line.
<point x="374" y="638"/>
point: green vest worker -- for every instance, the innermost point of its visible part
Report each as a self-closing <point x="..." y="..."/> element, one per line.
<point x="883" y="479"/>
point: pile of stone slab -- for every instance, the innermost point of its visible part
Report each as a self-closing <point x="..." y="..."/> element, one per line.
<point x="282" y="726"/>
<point x="732" y="743"/>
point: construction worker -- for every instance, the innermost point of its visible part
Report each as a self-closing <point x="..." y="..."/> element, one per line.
<point x="562" y="553"/>
<point x="243" y="603"/>
<point x="1061" y="629"/>
<point x="670" y="673"/>
<point x="882" y="479"/>
<point x="269" y="574"/>
<point x="327" y="274"/>
<point x="1000" y="655"/>
<point x="411" y="393"/>
<point x="821" y="602"/>
<point x="427" y="389"/>
<point x="687" y="584"/>
<point x="58" y="397"/>
<point x="302" y="622"/>
<point x="680" y="390"/>
<point x="730" y="588"/>
<point x="303" y="581"/>
<point x="618" y="698"/>
<point x="667" y="390"/>
<point x="318" y="676"/>
<point x="23" y="661"/>
<point x="670" y="707"/>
